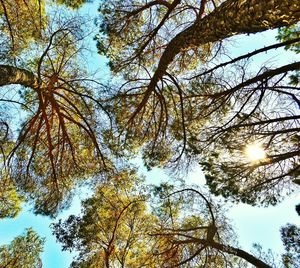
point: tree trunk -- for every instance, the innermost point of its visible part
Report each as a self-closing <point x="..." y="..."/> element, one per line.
<point x="231" y="18"/>
<point x="106" y="257"/>
<point x="13" y="75"/>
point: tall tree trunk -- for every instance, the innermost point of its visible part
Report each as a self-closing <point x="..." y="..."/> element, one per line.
<point x="106" y="258"/>
<point x="13" y="75"/>
<point x="231" y="18"/>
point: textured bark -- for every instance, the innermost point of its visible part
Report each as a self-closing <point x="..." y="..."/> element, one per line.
<point x="231" y="18"/>
<point x="13" y="75"/>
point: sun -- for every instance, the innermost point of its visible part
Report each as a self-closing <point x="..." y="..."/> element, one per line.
<point x="255" y="152"/>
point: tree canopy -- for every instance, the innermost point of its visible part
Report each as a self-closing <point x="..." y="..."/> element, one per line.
<point x="181" y="229"/>
<point x="24" y="251"/>
<point x="181" y="99"/>
<point x="178" y="98"/>
<point x="58" y="114"/>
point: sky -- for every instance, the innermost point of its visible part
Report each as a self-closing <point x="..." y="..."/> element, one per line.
<point x="252" y="224"/>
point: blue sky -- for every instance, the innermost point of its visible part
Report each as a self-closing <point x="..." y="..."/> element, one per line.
<point x="52" y="255"/>
<point x="252" y="224"/>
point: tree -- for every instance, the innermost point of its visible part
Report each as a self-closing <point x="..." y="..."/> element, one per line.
<point x="112" y="231"/>
<point x="10" y="200"/>
<point x="266" y="116"/>
<point x="58" y="119"/>
<point x="189" y="104"/>
<point x="236" y="17"/>
<point x="183" y="229"/>
<point x="23" y="23"/>
<point x="24" y="251"/>
<point x="176" y="102"/>
<point x="198" y="230"/>
<point x="74" y="4"/>
<point x="290" y="236"/>
<point x="18" y="16"/>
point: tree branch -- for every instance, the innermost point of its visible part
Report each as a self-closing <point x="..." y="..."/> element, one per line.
<point x="13" y="75"/>
<point x="230" y="18"/>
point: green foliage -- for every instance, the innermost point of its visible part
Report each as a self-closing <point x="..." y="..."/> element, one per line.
<point x="58" y="123"/>
<point x="119" y="226"/>
<point x="208" y="116"/>
<point x="290" y="235"/>
<point x="10" y="200"/>
<point x="23" y="252"/>
<point x="228" y="170"/>
<point x="74" y="4"/>
<point x="22" y="24"/>
<point x="234" y="177"/>
<point x="112" y="230"/>
<point x="180" y="109"/>
<point x="289" y="33"/>
<point x="133" y="33"/>
<point x="156" y="156"/>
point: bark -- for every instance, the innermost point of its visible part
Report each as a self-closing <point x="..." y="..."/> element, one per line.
<point x="231" y="18"/>
<point x="13" y="75"/>
<point x="106" y="257"/>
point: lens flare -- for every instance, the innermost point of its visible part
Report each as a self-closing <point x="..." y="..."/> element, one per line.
<point x="255" y="152"/>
